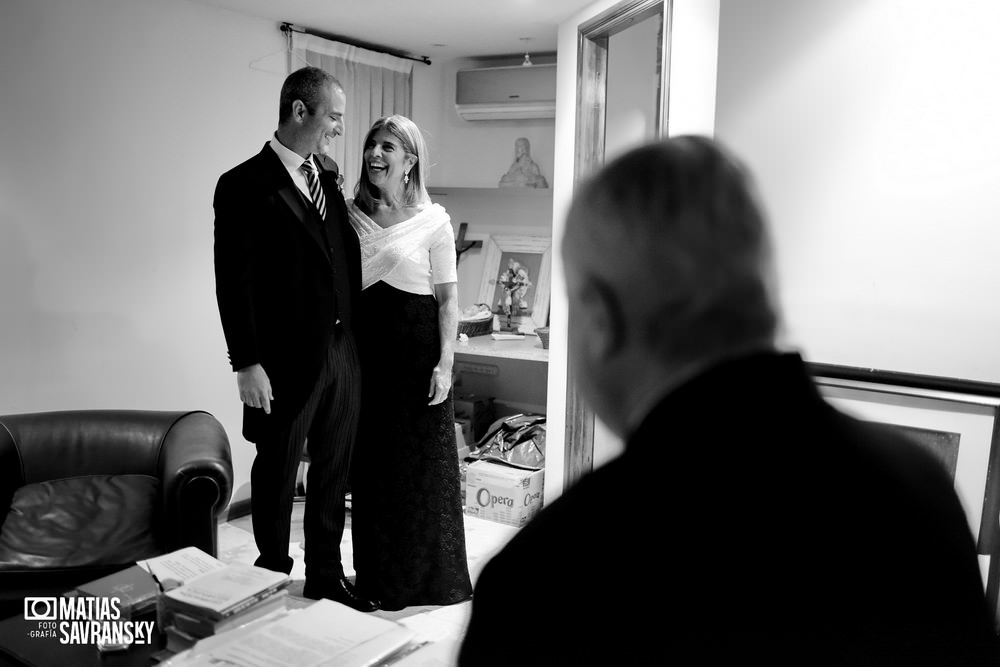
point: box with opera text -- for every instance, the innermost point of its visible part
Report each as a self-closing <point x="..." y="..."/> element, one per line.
<point x="501" y="493"/>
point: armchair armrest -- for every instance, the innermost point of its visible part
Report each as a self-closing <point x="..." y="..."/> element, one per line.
<point x="195" y="466"/>
<point x="11" y="470"/>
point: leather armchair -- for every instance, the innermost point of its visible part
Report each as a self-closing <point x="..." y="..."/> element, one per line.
<point x="85" y="493"/>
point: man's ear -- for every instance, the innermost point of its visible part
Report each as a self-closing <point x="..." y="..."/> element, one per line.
<point x="602" y="318"/>
<point x="299" y="110"/>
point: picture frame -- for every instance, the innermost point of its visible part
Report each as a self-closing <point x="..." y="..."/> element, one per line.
<point x="534" y="253"/>
<point x="958" y="420"/>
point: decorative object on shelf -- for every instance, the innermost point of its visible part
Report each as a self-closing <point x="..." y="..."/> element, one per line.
<point x="476" y="320"/>
<point x="461" y="245"/>
<point x="543" y="335"/>
<point x="523" y="173"/>
<point x="516" y="280"/>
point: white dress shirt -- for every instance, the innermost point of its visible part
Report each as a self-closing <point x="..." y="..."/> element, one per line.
<point x="293" y="163"/>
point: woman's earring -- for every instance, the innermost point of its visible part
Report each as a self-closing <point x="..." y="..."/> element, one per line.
<point x="406" y="178"/>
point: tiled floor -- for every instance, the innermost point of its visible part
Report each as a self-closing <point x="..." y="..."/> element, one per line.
<point x="483" y="539"/>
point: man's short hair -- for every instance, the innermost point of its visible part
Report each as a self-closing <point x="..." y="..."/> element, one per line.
<point x="306" y="84"/>
<point x="682" y="217"/>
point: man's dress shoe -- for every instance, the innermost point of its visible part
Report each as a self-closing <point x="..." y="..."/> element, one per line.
<point x="339" y="590"/>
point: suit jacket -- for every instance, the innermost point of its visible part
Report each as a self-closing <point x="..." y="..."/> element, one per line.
<point x="283" y="278"/>
<point x="747" y="522"/>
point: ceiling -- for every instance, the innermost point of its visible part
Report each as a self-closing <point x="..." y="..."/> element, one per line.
<point x="437" y="29"/>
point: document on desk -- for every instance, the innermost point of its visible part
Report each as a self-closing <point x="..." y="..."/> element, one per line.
<point x="324" y="634"/>
<point x="182" y="565"/>
<point x="442" y="653"/>
<point x="506" y="336"/>
<point x="446" y="622"/>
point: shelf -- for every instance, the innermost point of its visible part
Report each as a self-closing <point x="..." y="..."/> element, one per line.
<point x="488" y="211"/>
<point x="445" y="191"/>
<point x="528" y="348"/>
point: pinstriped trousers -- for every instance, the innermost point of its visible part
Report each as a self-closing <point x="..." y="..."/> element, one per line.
<point x="329" y="421"/>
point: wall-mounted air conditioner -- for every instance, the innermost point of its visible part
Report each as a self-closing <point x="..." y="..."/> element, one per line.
<point x="506" y="93"/>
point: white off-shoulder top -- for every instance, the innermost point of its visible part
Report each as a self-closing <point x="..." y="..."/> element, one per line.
<point x="413" y="255"/>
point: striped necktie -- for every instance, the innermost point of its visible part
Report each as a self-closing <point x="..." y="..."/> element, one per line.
<point x="315" y="189"/>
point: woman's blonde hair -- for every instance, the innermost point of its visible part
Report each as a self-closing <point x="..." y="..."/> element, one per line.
<point x="366" y="195"/>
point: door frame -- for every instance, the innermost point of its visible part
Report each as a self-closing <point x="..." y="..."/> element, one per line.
<point x="592" y="67"/>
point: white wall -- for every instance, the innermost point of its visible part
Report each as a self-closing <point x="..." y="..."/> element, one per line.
<point x="694" y="48"/>
<point x="872" y="129"/>
<point x="429" y="108"/>
<point x="117" y="118"/>
<point x="471" y="153"/>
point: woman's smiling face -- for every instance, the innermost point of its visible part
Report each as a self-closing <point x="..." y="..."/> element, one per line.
<point x="386" y="161"/>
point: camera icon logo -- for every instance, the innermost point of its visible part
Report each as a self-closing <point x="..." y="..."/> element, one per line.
<point x="40" y="609"/>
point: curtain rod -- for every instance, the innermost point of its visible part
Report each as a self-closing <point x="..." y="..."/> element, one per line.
<point x="290" y="27"/>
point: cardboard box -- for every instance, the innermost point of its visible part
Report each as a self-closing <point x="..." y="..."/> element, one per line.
<point x="480" y="412"/>
<point x="503" y="494"/>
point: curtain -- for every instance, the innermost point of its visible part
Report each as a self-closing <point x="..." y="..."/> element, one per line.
<point x="377" y="84"/>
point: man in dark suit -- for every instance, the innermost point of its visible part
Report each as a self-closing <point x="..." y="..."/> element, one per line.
<point x="747" y="521"/>
<point x="287" y="266"/>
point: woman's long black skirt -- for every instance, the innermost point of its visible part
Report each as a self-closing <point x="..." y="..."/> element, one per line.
<point x="407" y="513"/>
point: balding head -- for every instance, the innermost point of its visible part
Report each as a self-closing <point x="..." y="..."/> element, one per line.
<point x="667" y="265"/>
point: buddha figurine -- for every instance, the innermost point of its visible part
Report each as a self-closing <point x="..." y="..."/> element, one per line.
<point x="523" y="173"/>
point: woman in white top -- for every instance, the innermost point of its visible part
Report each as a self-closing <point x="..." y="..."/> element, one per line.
<point x="406" y="508"/>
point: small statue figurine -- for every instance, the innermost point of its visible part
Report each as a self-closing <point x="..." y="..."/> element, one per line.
<point x="523" y="173"/>
<point x="514" y="281"/>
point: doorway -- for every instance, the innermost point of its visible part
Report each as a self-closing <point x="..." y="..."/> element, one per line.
<point x="622" y="101"/>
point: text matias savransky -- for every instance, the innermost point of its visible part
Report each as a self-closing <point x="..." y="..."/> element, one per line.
<point x="85" y="620"/>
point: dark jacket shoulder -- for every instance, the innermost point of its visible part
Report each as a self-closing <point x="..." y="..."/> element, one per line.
<point x="327" y="163"/>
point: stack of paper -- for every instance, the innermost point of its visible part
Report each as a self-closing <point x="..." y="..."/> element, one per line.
<point x="325" y="633"/>
<point x="220" y="600"/>
<point x="507" y="336"/>
<point x="178" y="567"/>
